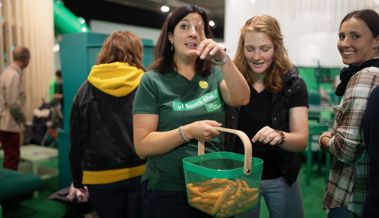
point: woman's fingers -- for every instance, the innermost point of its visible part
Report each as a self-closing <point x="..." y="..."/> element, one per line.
<point x="266" y="135"/>
<point x="213" y="123"/>
<point x="204" y="48"/>
<point x="207" y="48"/>
<point x="200" y="29"/>
<point x="268" y="139"/>
<point x="204" y="130"/>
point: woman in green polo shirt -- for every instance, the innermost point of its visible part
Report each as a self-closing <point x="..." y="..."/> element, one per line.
<point x="178" y="103"/>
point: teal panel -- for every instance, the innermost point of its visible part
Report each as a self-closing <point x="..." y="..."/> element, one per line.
<point x="63" y="161"/>
<point x="148" y="52"/>
<point x="76" y="63"/>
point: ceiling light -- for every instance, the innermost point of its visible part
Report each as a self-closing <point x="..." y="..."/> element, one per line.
<point x="165" y="8"/>
<point x="211" y="23"/>
<point x="81" y="20"/>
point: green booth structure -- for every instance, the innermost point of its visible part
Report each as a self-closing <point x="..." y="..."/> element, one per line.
<point x="67" y="22"/>
<point x="78" y="53"/>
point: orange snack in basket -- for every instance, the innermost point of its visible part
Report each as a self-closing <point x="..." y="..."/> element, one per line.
<point x="248" y="202"/>
<point x="224" y="196"/>
<point x="200" y="200"/>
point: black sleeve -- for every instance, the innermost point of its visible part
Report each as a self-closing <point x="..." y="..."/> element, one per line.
<point x="370" y="120"/>
<point x="371" y="139"/>
<point x="78" y="135"/>
<point x="299" y="96"/>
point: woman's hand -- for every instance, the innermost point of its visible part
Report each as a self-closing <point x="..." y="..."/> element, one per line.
<point x="267" y="135"/>
<point x="324" y="140"/>
<point x="201" y="130"/>
<point x="78" y="194"/>
<point x="208" y="48"/>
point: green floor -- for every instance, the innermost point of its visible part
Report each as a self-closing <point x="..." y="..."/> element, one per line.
<point x="42" y="207"/>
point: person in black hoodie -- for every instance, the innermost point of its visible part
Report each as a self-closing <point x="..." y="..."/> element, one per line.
<point x="102" y="154"/>
<point x="371" y="137"/>
<point x="275" y="117"/>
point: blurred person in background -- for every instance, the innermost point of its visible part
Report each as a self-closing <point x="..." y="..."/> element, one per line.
<point x="102" y="154"/>
<point x="12" y="106"/>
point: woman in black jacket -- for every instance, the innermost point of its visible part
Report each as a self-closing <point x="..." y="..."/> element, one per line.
<point x="102" y="154"/>
<point x="371" y="137"/>
<point x="276" y="115"/>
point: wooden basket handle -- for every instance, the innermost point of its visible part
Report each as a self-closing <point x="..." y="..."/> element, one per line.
<point x="246" y="144"/>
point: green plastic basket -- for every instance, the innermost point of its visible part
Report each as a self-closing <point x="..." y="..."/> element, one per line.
<point x="223" y="184"/>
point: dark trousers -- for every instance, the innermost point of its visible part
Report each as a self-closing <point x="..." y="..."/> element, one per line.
<point x="168" y="204"/>
<point x="117" y="200"/>
<point x="10" y="142"/>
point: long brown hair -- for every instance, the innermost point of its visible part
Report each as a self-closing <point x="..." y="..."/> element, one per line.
<point x="281" y="64"/>
<point x="122" y="46"/>
<point x="164" y="54"/>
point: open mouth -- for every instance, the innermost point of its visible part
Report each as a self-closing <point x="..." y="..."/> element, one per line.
<point x="191" y="45"/>
<point x="258" y="64"/>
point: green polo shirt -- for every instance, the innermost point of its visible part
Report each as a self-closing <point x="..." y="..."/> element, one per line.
<point x="178" y="102"/>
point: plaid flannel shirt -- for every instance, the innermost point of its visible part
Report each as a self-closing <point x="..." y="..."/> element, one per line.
<point x="347" y="185"/>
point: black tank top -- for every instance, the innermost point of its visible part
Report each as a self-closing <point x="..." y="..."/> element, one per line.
<point x="254" y="117"/>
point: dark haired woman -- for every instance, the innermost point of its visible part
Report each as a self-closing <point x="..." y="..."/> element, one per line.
<point x="179" y="102"/>
<point x="358" y="45"/>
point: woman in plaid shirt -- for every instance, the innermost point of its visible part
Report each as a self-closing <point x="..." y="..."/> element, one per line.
<point x="358" y="45"/>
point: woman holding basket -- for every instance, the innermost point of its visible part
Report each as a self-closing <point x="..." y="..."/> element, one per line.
<point x="179" y="102"/>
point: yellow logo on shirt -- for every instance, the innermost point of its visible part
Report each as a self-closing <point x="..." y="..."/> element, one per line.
<point x="203" y="84"/>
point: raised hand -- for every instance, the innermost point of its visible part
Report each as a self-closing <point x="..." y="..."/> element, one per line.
<point x="208" y="48"/>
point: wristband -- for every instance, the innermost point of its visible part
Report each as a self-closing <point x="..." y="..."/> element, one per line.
<point x="282" y="136"/>
<point x="222" y="61"/>
<point x="181" y="133"/>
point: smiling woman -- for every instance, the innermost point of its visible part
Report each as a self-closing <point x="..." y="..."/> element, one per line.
<point x="275" y="116"/>
<point x="358" y="45"/>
